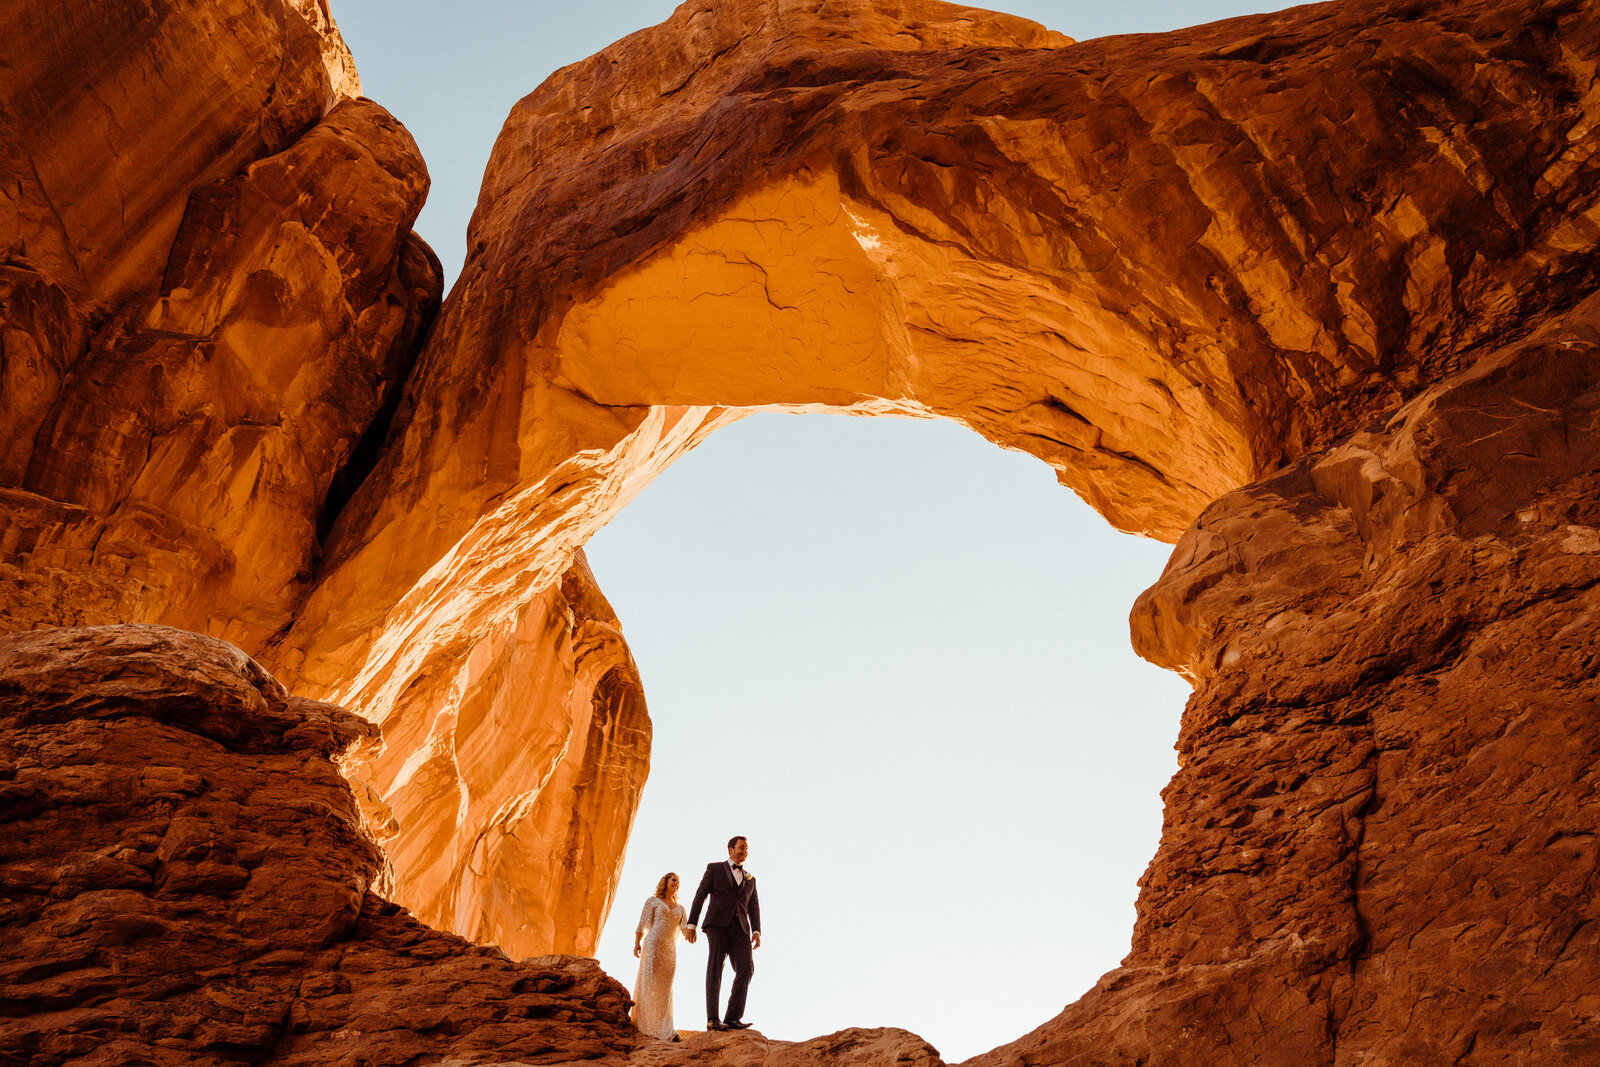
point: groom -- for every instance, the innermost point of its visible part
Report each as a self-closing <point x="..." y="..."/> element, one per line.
<point x="733" y="928"/>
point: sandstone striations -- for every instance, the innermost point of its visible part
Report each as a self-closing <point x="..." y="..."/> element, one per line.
<point x="1310" y="294"/>
<point x="511" y="806"/>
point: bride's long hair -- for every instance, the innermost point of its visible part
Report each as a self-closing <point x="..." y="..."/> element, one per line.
<point x="661" y="888"/>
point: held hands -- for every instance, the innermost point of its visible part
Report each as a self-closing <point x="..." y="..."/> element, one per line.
<point x="690" y="934"/>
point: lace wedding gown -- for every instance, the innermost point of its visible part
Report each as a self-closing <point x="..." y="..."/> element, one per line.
<point x="658" y="961"/>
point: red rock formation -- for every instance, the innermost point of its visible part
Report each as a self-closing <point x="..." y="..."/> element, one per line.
<point x="198" y="350"/>
<point x="210" y="285"/>
<point x="1165" y="265"/>
<point x="1314" y="282"/>
<point x="187" y="879"/>
<point x="1381" y="846"/>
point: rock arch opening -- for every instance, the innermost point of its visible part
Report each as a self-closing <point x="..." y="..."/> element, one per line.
<point x="1074" y="273"/>
<point x="894" y="655"/>
<point x="798" y="298"/>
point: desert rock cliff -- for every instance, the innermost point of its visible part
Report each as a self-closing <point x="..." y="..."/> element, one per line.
<point x="1381" y="844"/>
<point x="211" y="290"/>
<point x="1311" y="295"/>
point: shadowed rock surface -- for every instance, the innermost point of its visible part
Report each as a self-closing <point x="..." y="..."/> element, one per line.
<point x="187" y="880"/>
<point x="1310" y="294"/>
<point x="1381" y="846"/>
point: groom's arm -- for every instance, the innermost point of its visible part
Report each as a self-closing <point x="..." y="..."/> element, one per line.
<point x="700" y="898"/>
<point x="755" y="910"/>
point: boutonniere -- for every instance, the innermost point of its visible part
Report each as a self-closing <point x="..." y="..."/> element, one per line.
<point x="749" y="879"/>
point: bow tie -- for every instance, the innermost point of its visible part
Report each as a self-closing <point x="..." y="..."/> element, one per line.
<point x="738" y="867"/>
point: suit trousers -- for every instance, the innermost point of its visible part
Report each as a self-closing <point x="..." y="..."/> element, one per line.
<point x="729" y="943"/>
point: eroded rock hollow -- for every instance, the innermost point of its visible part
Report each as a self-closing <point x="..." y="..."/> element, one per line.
<point x="1310" y="294"/>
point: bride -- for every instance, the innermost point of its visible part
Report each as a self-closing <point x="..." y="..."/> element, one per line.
<point x="655" y="943"/>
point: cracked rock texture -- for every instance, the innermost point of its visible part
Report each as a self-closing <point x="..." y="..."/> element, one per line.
<point x="187" y="879"/>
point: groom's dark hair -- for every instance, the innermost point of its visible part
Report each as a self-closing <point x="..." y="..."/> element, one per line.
<point x="736" y="839"/>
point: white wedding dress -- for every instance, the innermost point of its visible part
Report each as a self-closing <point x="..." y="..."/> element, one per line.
<point x="658" y="961"/>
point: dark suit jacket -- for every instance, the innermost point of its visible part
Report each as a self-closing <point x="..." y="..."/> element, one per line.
<point x="730" y="903"/>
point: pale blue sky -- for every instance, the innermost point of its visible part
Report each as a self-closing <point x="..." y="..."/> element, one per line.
<point x="891" y="653"/>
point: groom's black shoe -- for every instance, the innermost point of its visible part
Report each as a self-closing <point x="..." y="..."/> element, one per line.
<point x="736" y="1026"/>
<point x="714" y="1025"/>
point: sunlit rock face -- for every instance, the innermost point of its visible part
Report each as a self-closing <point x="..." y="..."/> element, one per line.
<point x="210" y="286"/>
<point x="1165" y="265"/>
<point x="189" y="880"/>
<point x="507" y="809"/>
<point x="211" y="295"/>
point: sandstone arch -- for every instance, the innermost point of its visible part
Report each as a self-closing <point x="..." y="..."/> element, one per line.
<point x="1310" y="294"/>
<point x="1113" y="256"/>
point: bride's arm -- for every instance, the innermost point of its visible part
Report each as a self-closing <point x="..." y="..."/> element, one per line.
<point x="646" y="918"/>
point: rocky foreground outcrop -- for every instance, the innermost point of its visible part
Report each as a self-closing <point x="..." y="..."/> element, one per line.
<point x="187" y="879"/>
<point x="1311" y="294"/>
